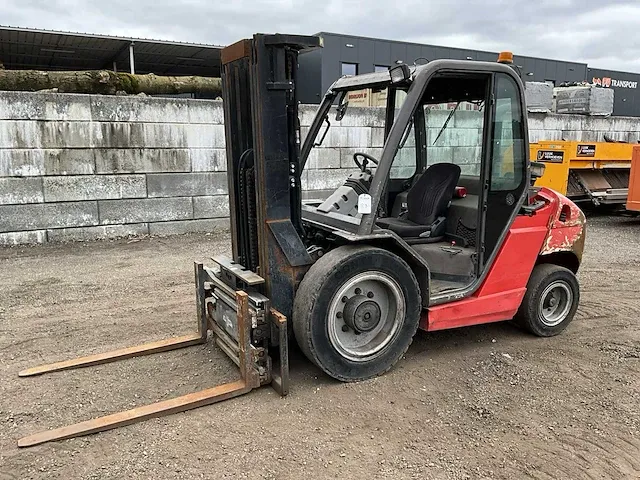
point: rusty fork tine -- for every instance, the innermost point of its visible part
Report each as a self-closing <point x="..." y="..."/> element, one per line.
<point x="138" y="414"/>
<point x="121" y="354"/>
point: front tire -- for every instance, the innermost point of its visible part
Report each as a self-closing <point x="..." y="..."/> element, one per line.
<point x="550" y="302"/>
<point x="356" y="311"/>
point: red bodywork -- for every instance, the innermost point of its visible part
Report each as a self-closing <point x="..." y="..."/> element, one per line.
<point x="559" y="226"/>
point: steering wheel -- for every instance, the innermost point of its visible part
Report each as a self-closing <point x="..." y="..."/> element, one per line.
<point x="365" y="157"/>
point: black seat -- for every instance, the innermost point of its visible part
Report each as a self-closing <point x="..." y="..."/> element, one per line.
<point x="427" y="203"/>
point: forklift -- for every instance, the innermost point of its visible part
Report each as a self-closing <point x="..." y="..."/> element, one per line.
<point x="407" y="242"/>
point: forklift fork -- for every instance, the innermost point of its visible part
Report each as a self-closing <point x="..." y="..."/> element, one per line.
<point x="235" y="340"/>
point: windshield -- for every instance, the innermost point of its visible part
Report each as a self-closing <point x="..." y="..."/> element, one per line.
<point x="350" y="122"/>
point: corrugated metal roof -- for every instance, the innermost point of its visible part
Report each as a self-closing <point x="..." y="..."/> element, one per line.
<point x="31" y="49"/>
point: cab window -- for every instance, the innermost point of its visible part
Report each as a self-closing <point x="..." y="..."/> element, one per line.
<point x="454" y="134"/>
<point x="508" y="153"/>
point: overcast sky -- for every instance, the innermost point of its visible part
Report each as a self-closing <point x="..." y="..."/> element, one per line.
<point x="602" y="33"/>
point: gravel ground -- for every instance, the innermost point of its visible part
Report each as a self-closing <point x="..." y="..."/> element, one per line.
<point x="484" y="402"/>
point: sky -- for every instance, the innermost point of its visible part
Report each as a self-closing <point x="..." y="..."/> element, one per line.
<point x="602" y="33"/>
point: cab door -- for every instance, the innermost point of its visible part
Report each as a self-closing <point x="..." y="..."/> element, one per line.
<point x="505" y="169"/>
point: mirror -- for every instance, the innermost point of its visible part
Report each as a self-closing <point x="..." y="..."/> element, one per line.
<point x="343" y="103"/>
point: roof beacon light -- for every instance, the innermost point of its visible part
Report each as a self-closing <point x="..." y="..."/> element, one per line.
<point x="505" y="57"/>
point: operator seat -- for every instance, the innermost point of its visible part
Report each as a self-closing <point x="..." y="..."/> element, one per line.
<point x="427" y="203"/>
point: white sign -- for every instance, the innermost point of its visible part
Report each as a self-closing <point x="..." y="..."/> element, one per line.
<point x="612" y="82"/>
<point x="364" y="203"/>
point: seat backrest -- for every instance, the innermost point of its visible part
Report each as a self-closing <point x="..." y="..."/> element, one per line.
<point x="429" y="197"/>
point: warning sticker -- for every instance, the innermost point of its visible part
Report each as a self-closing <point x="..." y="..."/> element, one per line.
<point x="550" y="156"/>
<point x="586" y="150"/>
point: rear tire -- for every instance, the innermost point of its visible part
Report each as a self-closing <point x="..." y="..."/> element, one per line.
<point x="551" y="300"/>
<point x="356" y="311"/>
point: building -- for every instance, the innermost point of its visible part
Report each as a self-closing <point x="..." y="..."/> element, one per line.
<point x="30" y="49"/>
<point x="349" y="55"/>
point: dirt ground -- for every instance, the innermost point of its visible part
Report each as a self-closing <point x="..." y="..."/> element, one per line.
<point x="486" y="402"/>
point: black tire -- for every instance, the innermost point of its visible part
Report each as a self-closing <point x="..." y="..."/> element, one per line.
<point x="531" y="315"/>
<point x="314" y="299"/>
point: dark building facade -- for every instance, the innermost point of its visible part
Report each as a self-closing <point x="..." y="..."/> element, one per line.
<point x="626" y="87"/>
<point x="347" y="55"/>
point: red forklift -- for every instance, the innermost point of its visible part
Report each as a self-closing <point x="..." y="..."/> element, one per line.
<point x="442" y="229"/>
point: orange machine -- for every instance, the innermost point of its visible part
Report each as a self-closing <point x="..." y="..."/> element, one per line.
<point x="633" y="197"/>
<point x="596" y="172"/>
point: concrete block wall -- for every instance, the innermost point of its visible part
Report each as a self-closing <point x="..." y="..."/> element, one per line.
<point x="582" y="128"/>
<point x="80" y="167"/>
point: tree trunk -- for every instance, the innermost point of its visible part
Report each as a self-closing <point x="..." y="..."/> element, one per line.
<point x="106" y="82"/>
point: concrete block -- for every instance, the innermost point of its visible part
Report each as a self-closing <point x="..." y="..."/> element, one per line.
<point x="465" y="119"/>
<point x="21" y="163"/>
<point x="360" y="117"/>
<point x="72" y="161"/>
<point x="563" y="122"/>
<point x="94" y="187"/>
<point x="618" y="136"/>
<point x="205" y="136"/>
<point x="347" y="137"/>
<point x="470" y="170"/>
<point x="211" y="207"/>
<point x="536" y="121"/>
<point x="597" y="123"/>
<point x="306" y="114"/>
<point x="304" y="131"/>
<point x="440" y="154"/>
<point x="39" y="216"/>
<point x="326" y="179"/>
<point x="346" y="156"/>
<point x="41" y="134"/>
<point x="537" y="135"/>
<point x="436" y="118"/>
<point x="214" y="225"/>
<point x="206" y="111"/>
<point x="142" y="160"/>
<point x="106" y="108"/>
<point x="21" y="190"/>
<point x="575" y="135"/>
<point x="35" y="162"/>
<point x="145" y="210"/>
<point x="624" y="124"/>
<point x="405" y="157"/>
<point x="138" y="135"/>
<point x="316" y="194"/>
<point x="467" y="155"/>
<point x="454" y="137"/>
<point x="85" y="234"/>
<point x="538" y="96"/>
<point x="208" y="159"/>
<point x="591" y="136"/>
<point x="321" y="157"/>
<point x="186" y="184"/>
<point x="551" y="135"/>
<point x="23" y="238"/>
<point x="44" y="106"/>
<point x="402" y="172"/>
<point x="377" y="137"/>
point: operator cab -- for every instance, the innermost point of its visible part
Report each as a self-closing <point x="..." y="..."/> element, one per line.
<point x="453" y="146"/>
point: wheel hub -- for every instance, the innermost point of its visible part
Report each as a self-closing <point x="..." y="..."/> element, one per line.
<point x="555" y="303"/>
<point x="362" y="314"/>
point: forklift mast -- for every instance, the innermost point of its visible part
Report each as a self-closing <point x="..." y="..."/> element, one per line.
<point x="262" y="135"/>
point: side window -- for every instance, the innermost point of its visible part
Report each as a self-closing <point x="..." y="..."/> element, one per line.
<point x="508" y="155"/>
<point x="405" y="161"/>
<point x="454" y="134"/>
